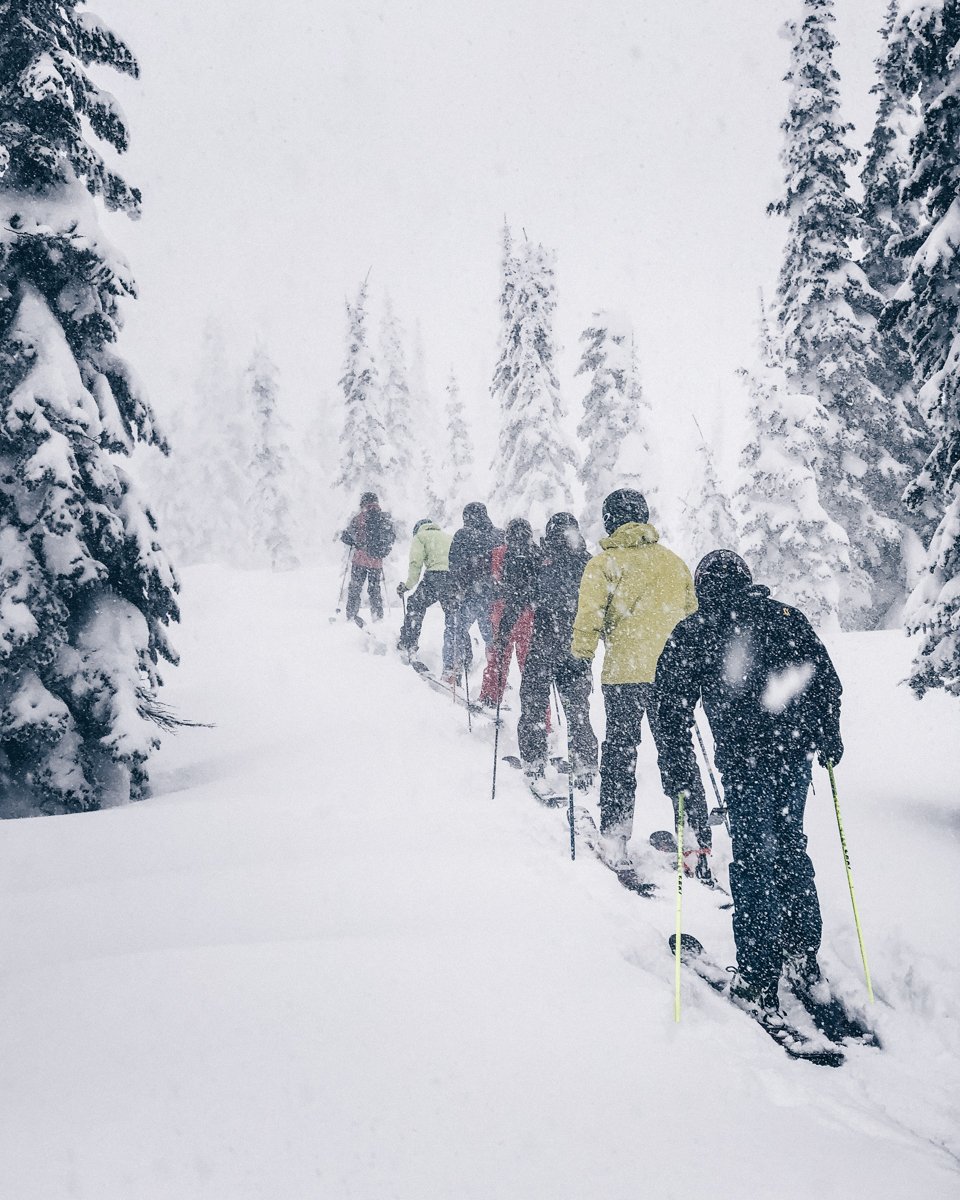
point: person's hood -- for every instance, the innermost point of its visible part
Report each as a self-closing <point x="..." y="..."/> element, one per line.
<point x="717" y="608"/>
<point x="426" y="525"/>
<point x="475" y="516"/>
<point x="630" y="537"/>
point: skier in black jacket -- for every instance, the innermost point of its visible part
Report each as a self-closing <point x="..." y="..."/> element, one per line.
<point x="471" y="579"/>
<point x="555" y="597"/>
<point x="772" y="697"/>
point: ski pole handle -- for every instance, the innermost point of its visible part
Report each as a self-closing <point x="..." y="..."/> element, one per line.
<point x="846" y="863"/>
<point x="679" y="929"/>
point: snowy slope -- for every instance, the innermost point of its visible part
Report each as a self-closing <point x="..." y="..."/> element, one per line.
<point x="321" y="963"/>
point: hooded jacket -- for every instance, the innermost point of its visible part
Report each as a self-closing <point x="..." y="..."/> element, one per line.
<point x="558" y="588"/>
<point x="357" y="535"/>
<point x="469" y="558"/>
<point x="429" y="551"/>
<point x="632" y="595"/>
<point x="767" y="685"/>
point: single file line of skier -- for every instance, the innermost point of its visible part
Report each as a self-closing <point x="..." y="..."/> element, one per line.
<point x="672" y="640"/>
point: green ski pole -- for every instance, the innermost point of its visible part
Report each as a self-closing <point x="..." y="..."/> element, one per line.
<point x="679" y="930"/>
<point x="846" y="863"/>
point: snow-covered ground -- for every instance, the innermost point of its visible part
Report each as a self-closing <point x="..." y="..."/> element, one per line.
<point x="320" y="962"/>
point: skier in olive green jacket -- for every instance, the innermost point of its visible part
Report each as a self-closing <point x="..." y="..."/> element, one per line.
<point x="632" y="595"/>
<point x="429" y="553"/>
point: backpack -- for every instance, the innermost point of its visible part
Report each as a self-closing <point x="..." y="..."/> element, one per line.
<point x="379" y="534"/>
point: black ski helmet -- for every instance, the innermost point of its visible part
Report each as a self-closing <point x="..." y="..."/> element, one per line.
<point x="518" y="532"/>
<point x="369" y="498"/>
<point x="721" y="573"/>
<point x="623" y="507"/>
<point x="422" y="521"/>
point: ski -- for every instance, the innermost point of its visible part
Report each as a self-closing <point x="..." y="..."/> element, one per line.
<point x="796" y="1044"/>
<point x="445" y="689"/>
<point x="541" y="789"/>
<point x="666" y="842"/>
<point x="589" y="836"/>
<point x="831" y="1017"/>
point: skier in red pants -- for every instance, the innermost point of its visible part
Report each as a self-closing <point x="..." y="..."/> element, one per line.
<point x="515" y="567"/>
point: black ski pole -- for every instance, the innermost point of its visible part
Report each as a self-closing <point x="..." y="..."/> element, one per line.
<point x="466" y="691"/>
<point x="721" y="803"/>
<point x="496" y="734"/>
<point x="343" y="581"/>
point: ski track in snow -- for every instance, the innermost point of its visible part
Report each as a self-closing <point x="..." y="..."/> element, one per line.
<point x="319" y="961"/>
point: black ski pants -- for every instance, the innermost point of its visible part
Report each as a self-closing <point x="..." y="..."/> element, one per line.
<point x="548" y="663"/>
<point x="776" y="909"/>
<point x="434" y="588"/>
<point x="625" y="705"/>
<point x="372" y="577"/>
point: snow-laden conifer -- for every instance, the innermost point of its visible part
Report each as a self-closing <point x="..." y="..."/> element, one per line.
<point x="86" y="593"/>
<point x="270" y="517"/>
<point x="459" y="466"/>
<point x="363" y="440"/>
<point x="828" y="318"/>
<point x="534" y="458"/>
<point x="711" y="524"/>
<point x="790" y="542"/>
<point x="615" y="425"/>
<point x="403" y="467"/>
<point x="925" y="53"/>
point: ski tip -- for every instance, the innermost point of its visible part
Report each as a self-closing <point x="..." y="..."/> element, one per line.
<point x="819" y="1058"/>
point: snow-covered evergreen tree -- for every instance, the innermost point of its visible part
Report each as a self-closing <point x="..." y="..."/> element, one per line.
<point x="888" y="216"/>
<point x="534" y="458"/>
<point x="925" y="54"/>
<point x="86" y="592"/>
<point x="828" y="318"/>
<point x="404" y="468"/>
<point x="269" y="502"/>
<point x="459" y="473"/>
<point x="363" y="441"/>
<point x="790" y="542"/>
<point x="616" y="421"/>
<point x="710" y="520"/>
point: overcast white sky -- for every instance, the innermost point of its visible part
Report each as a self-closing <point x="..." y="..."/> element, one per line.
<point x="283" y="149"/>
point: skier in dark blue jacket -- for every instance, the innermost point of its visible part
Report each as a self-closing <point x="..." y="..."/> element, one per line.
<point x="555" y="594"/>
<point x="772" y="698"/>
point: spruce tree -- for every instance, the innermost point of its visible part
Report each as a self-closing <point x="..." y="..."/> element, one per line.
<point x="459" y="473"/>
<point x="710" y="518"/>
<point x="270" y="517"/>
<point x="828" y="318"/>
<point x="789" y="541"/>
<point x="534" y="458"/>
<point x="404" y="469"/>
<point x="363" y="439"/>
<point x="926" y="311"/>
<point x="614" y="427"/>
<point x="86" y="592"/>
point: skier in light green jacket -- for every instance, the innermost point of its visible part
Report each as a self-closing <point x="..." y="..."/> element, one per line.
<point x="429" y="553"/>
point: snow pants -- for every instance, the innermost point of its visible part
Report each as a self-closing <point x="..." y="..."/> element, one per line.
<point x="475" y="607"/>
<point x="625" y="705"/>
<point x="776" y="909"/>
<point x="547" y="664"/>
<point x="498" y="659"/>
<point x="434" y="588"/>
<point x="372" y="577"/>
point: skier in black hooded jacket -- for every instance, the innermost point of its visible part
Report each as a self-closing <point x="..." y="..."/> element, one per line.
<point x="471" y="580"/>
<point x="555" y="596"/>
<point x="772" y="698"/>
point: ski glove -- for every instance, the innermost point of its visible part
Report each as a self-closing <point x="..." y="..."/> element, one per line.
<point x="830" y="750"/>
<point x="401" y="588"/>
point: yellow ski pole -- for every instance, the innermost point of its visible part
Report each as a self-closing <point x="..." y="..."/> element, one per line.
<point x="679" y="930"/>
<point x="846" y="863"/>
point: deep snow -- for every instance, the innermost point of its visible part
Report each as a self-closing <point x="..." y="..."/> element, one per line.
<point x="319" y="962"/>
